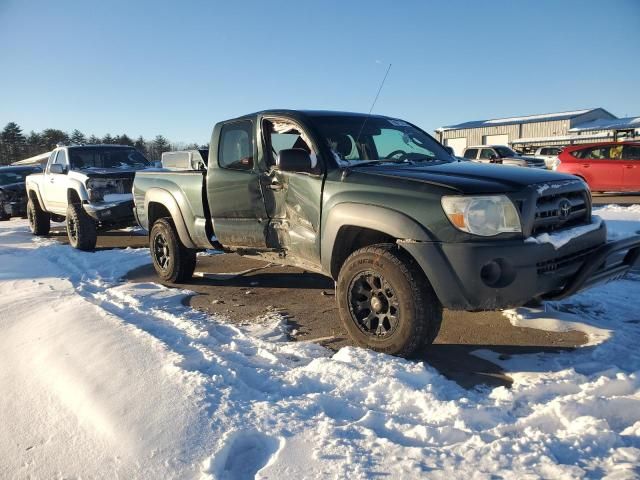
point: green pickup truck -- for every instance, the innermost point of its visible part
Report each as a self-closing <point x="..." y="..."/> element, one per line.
<point x="382" y="208"/>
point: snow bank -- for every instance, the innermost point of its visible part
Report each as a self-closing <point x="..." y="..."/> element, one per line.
<point x="561" y="238"/>
<point x="621" y="221"/>
<point x="104" y="378"/>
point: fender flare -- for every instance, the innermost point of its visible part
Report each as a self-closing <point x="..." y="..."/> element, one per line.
<point x="166" y="199"/>
<point x="79" y="188"/>
<point x="35" y="188"/>
<point x="382" y="219"/>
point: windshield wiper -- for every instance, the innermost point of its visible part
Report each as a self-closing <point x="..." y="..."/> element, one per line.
<point x="363" y="163"/>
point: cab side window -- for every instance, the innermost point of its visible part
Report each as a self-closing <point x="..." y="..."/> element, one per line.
<point x="58" y="158"/>
<point x="236" y="146"/>
<point x="471" y="153"/>
<point x="61" y="159"/>
<point x="487" y="153"/>
<point x="282" y="134"/>
<point x="52" y="159"/>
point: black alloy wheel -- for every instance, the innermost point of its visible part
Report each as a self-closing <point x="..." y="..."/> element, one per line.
<point x="374" y="304"/>
<point x="161" y="251"/>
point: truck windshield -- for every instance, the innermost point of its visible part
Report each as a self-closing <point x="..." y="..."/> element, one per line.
<point x="353" y="140"/>
<point x="106" y="157"/>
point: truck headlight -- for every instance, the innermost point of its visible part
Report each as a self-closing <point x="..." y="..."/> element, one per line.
<point x="482" y="215"/>
<point x="95" y="194"/>
<point x="97" y="188"/>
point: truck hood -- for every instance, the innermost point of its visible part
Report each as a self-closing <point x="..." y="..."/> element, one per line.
<point x="465" y="177"/>
<point x="522" y="157"/>
<point x="105" y="172"/>
<point x="13" y="187"/>
<point x="110" y="172"/>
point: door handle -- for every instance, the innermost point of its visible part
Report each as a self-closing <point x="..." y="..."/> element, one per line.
<point x="585" y="165"/>
<point x="629" y="166"/>
<point x="51" y="179"/>
<point x="275" y="186"/>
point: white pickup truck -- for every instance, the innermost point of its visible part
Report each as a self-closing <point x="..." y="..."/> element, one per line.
<point x="549" y="155"/>
<point x="89" y="187"/>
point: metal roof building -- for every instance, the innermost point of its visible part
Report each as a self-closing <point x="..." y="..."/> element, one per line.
<point x="532" y="131"/>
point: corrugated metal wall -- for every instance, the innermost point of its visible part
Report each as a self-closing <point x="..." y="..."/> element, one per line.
<point x="550" y="128"/>
<point x="544" y="129"/>
<point x="474" y="135"/>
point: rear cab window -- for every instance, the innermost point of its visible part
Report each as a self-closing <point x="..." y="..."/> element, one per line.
<point x="236" y="146"/>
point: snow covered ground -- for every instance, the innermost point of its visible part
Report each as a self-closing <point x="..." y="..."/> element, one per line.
<point x="102" y="378"/>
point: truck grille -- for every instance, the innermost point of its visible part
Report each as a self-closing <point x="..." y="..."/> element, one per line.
<point x="550" y="266"/>
<point x="536" y="163"/>
<point x="558" y="209"/>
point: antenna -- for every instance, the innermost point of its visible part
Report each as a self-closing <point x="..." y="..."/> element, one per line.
<point x="372" y="105"/>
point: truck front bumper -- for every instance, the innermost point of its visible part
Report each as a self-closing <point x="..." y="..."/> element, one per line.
<point x="111" y="213"/>
<point x="505" y="274"/>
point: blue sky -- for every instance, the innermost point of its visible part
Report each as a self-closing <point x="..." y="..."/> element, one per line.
<point x="176" y="68"/>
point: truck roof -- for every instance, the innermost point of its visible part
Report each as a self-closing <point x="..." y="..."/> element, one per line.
<point x="488" y="146"/>
<point x="305" y="113"/>
<point x="97" y="145"/>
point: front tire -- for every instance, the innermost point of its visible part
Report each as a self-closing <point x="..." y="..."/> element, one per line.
<point x="81" y="228"/>
<point x="39" y="220"/>
<point x="386" y="303"/>
<point x="172" y="261"/>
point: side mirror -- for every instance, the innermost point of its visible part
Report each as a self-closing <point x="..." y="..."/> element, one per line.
<point x="56" y="168"/>
<point x="493" y="159"/>
<point x="294" y="160"/>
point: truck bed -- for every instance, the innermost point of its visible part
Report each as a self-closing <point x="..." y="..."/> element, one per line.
<point x="183" y="190"/>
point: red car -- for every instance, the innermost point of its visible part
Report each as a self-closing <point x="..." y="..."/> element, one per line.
<point x="606" y="167"/>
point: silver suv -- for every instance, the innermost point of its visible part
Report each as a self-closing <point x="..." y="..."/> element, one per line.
<point x="502" y="155"/>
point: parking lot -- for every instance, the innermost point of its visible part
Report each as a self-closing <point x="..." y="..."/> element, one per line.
<point x="243" y="290"/>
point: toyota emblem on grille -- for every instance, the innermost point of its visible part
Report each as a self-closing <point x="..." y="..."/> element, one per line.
<point x="564" y="208"/>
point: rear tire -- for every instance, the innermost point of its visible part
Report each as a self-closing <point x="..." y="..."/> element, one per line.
<point x="386" y="302"/>
<point x="172" y="261"/>
<point x="39" y="220"/>
<point x="81" y="228"/>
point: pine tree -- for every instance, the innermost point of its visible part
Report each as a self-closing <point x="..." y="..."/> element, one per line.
<point x="159" y="145"/>
<point x="141" y="145"/>
<point x="12" y="143"/>
<point x="124" y="139"/>
<point x="108" y="139"/>
<point x="52" y="137"/>
<point x="34" y="139"/>
<point x="78" y="138"/>
<point x="93" y="140"/>
<point x="34" y="144"/>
